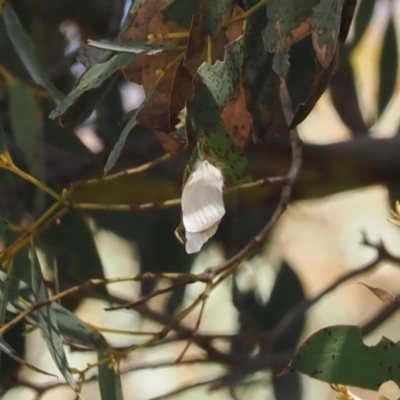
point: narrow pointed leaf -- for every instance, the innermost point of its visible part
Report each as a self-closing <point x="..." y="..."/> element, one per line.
<point x="116" y="151"/>
<point x="92" y="79"/>
<point x="26" y="120"/>
<point x="48" y="323"/>
<point x="71" y="327"/>
<point x="109" y="381"/>
<point x="132" y="47"/>
<point x="25" y="49"/>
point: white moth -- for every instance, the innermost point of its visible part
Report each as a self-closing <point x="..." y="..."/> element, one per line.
<point x="202" y="205"/>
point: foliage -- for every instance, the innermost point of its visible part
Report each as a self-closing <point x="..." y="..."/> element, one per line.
<point x="220" y="77"/>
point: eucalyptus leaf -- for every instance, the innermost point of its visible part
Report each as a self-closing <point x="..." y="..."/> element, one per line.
<point x="214" y="86"/>
<point x="48" y="323"/>
<point x="337" y="354"/>
<point x="93" y="79"/>
<point x="109" y="382"/>
<point x="133" y="47"/>
<point x="26" y="120"/>
<point x="25" y="49"/>
<point x="116" y="151"/>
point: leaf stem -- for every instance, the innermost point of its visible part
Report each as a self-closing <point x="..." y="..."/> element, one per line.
<point x="247" y="13"/>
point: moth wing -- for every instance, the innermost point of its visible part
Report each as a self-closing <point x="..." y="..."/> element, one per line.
<point x="195" y="240"/>
<point x="202" y="199"/>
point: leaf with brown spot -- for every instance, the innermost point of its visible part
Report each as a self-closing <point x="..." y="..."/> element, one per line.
<point x="236" y="118"/>
<point x="325" y="29"/>
<point x="289" y="21"/>
<point x="381" y="294"/>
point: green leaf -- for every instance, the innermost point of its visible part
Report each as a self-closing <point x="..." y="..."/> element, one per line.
<point x="388" y="67"/>
<point x="337" y="354"/>
<point x="109" y="382"/>
<point x="222" y="151"/>
<point x="214" y="86"/>
<point x="133" y="47"/>
<point x="287" y="24"/>
<point x="326" y="19"/>
<point x="213" y="12"/>
<point x="48" y="323"/>
<point x="259" y="78"/>
<point x="116" y="151"/>
<point x="76" y="331"/>
<point x="26" y="120"/>
<point x="92" y="86"/>
<point x="306" y="80"/>
<point x="25" y="49"/>
<point x="71" y="327"/>
<point x="181" y="12"/>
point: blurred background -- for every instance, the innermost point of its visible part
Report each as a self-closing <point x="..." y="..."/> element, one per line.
<point x="348" y="184"/>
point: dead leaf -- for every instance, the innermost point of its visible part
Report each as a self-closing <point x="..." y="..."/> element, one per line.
<point x="171" y="144"/>
<point x="181" y="91"/>
<point x="381" y="293"/>
<point x="236" y="118"/>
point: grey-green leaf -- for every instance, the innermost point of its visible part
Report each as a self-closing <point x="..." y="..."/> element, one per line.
<point x="26" y="120"/>
<point x="109" y="382"/>
<point x="116" y="151"/>
<point x="92" y="79"/>
<point x="25" y="49"/>
<point x="213" y="12"/>
<point x="132" y="47"/>
<point x="71" y="327"/>
<point x="214" y="86"/>
<point x="48" y="323"/>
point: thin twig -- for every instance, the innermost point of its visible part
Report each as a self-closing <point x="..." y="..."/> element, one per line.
<point x="298" y="311"/>
<point x="143" y="299"/>
<point x="274" y="180"/>
<point x="185" y="388"/>
<point x="195" y="330"/>
<point x="127" y="172"/>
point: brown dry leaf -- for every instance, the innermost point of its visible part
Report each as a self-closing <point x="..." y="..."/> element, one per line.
<point x="236" y="29"/>
<point x="380" y="293"/>
<point x="196" y="52"/>
<point x="138" y="32"/>
<point x="236" y="118"/>
<point x="171" y="144"/>
<point x="155" y="114"/>
<point x="181" y="91"/>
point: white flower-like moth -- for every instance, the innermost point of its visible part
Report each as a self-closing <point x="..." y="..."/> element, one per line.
<point x="202" y="205"/>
